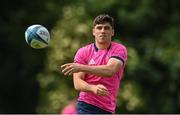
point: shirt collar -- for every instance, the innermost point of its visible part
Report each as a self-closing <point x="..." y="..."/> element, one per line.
<point x="96" y="49"/>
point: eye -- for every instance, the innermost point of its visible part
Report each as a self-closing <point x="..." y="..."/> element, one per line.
<point x="106" y="27"/>
<point x="99" y="27"/>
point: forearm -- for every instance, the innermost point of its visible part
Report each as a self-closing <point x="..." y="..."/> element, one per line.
<point x="101" y="70"/>
<point x="83" y="86"/>
<point x="80" y="84"/>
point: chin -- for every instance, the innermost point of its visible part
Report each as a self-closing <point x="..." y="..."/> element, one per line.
<point x="103" y="41"/>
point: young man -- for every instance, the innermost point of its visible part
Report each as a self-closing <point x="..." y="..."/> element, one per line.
<point x="98" y="69"/>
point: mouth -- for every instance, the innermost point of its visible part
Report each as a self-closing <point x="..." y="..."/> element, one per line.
<point x="102" y="36"/>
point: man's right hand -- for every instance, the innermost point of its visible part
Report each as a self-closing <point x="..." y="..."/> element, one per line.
<point x="100" y="90"/>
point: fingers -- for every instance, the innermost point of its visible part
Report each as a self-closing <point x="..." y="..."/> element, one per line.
<point x="65" y="65"/>
<point x="59" y="67"/>
<point x="102" y="90"/>
<point x="102" y="87"/>
<point x="67" y="69"/>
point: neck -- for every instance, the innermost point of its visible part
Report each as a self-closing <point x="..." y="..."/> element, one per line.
<point x="102" y="46"/>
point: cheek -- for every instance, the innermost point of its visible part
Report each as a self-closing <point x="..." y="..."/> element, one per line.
<point x="95" y="33"/>
<point x="111" y="33"/>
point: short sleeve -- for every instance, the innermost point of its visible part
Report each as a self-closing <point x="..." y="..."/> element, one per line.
<point x="120" y="53"/>
<point x="80" y="56"/>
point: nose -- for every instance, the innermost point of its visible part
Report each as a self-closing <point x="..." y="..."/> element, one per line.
<point x="103" y="30"/>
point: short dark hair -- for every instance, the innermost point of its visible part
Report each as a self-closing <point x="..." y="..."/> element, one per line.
<point x="103" y="18"/>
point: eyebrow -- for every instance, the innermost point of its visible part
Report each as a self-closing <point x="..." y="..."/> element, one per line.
<point x="105" y="26"/>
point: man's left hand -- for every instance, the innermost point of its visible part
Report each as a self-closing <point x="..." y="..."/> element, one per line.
<point x="69" y="68"/>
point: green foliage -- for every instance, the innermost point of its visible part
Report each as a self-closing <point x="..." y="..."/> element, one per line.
<point x="30" y="82"/>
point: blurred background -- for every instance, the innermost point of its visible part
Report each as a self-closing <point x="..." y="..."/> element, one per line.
<point x="150" y="29"/>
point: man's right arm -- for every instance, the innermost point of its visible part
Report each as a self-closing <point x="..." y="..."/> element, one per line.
<point x="81" y="85"/>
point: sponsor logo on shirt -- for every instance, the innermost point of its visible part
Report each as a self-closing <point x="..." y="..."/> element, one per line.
<point x="91" y="62"/>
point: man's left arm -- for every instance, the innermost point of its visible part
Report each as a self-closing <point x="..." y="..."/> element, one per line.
<point x="107" y="70"/>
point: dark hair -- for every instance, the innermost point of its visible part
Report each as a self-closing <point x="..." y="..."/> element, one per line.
<point x="103" y="18"/>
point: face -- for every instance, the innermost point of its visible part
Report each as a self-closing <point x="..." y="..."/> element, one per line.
<point x="103" y="33"/>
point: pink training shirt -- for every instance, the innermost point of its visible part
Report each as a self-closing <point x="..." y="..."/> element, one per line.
<point x="91" y="55"/>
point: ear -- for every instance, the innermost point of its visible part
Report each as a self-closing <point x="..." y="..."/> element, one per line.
<point x="93" y="31"/>
<point x="113" y="32"/>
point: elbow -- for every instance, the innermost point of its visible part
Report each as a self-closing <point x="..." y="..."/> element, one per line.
<point x="110" y="74"/>
<point x="110" y="71"/>
<point x="76" y="87"/>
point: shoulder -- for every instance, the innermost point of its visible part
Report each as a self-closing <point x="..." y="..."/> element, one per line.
<point x="119" y="51"/>
<point x="120" y="46"/>
<point x="86" y="47"/>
